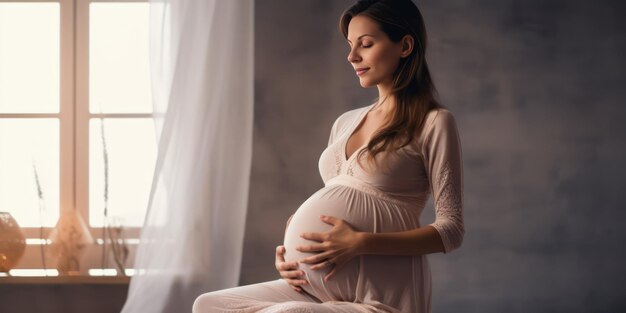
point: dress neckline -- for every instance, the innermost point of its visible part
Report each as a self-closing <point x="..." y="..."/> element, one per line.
<point x="358" y="123"/>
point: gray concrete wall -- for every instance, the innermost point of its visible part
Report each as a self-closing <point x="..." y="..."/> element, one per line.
<point x="537" y="89"/>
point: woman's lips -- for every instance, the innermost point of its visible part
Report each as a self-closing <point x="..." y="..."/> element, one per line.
<point x="361" y="71"/>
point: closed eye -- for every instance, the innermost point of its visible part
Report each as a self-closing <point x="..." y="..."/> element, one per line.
<point x="365" y="46"/>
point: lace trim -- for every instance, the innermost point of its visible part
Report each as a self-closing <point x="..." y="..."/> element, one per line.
<point x="448" y="208"/>
<point x="449" y="201"/>
<point x="352" y="162"/>
<point x="350" y="170"/>
<point x="338" y="161"/>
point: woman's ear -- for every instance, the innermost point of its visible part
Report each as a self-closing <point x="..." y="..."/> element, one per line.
<point x="407" y="46"/>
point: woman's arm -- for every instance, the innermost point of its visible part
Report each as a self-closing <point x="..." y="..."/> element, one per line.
<point x="423" y="240"/>
<point x="343" y="242"/>
<point x="444" y="164"/>
<point x="342" y="237"/>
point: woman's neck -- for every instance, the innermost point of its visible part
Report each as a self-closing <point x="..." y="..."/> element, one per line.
<point x="386" y="101"/>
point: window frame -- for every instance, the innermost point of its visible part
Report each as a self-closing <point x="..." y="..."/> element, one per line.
<point x="74" y="118"/>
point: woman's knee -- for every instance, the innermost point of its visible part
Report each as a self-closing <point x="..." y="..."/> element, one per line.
<point x="206" y="303"/>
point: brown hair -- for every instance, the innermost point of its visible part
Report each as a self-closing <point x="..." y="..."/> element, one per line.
<point x="412" y="88"/>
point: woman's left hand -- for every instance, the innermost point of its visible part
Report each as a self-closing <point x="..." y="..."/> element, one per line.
<point x="338" y="246"/>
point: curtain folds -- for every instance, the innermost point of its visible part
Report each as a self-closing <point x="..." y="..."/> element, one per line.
<point x="202" y="87"/>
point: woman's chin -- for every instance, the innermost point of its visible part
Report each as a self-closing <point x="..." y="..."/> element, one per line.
<point x="366" y="83"/>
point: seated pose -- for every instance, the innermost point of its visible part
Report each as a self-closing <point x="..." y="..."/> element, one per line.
<point x="357" y="244"/>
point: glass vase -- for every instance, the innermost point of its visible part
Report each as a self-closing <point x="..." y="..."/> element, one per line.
<point x="12" y="242"/>
<point x="68" y="240"/>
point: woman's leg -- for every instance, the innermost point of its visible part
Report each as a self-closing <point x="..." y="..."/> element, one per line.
<point x="271" y="297"/>
<point x="326" y="307"/>
<point x="249" y="298"/>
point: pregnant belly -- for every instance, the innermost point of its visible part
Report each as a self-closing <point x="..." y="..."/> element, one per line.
<point x="361" y="210"/>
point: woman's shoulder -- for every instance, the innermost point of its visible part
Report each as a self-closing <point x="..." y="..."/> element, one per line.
<point x="437" y="121"/>
<point x="346" y="118"/>
<point x="354" y="113"/>
<point x="438" y="118"/>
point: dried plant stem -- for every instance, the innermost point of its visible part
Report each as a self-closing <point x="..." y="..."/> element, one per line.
<point x="42" y="204"/>
<point x="118" y="245"/>
<point x="106" y="193"/>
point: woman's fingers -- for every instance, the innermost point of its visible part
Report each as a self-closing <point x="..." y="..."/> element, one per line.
<point x="294" y="278"/>
<point x="285" y="266"/>
<point x="289" y="270"/>
<point x="291" y="274"/>
<point x="280" y="259"/>
<point x="297" y="282"/>
<point x="280" y="252"/>
<point x="318" y="257"/>
<point x="319" y="237"/>
<point x="312" y="248"/>
<point x="337" y="263"/>
<point x="321" y="265"/>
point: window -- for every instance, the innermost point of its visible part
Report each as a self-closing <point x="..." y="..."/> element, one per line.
<point x="66" y="66"/>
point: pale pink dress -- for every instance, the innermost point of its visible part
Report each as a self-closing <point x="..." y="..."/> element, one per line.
<point x="388" y="199"/>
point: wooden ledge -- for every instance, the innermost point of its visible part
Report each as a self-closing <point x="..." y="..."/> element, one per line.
<point x="61" y="280"/>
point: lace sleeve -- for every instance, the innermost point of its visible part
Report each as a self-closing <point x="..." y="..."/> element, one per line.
<point x="444" y="161"/>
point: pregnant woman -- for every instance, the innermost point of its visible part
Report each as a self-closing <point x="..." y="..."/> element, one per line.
<point x="357" y="244"/>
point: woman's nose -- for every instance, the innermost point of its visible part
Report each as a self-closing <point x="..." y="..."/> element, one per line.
<point x="353" y="56"/>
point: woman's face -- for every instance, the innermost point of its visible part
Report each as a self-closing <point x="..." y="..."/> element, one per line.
<point x="373" y="51"/>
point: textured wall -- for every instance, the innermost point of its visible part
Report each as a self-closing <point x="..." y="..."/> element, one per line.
<point x="537" y="89"/>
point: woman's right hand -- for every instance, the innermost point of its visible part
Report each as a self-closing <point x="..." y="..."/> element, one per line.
<point x="289" y="270"/>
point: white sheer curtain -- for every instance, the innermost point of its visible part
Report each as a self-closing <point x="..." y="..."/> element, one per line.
<point x="202" y="66"/>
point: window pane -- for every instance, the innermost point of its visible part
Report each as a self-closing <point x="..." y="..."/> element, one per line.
<point x="22" y="142"/>
<point x="131" y="150"/>
<point x="29" y="57"/>
<point x="119" y="69"/>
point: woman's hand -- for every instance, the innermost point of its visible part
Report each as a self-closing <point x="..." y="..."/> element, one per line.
<point x="337" y="246"/>
<point x="289" y="271"/>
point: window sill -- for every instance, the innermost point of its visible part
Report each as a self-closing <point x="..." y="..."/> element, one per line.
<point x="66" y="280"/>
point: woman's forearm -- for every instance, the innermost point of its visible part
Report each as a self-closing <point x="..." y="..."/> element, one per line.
<point x="423" y="240"/>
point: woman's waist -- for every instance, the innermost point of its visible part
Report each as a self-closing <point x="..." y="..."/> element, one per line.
<point x="412" y="202"/>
